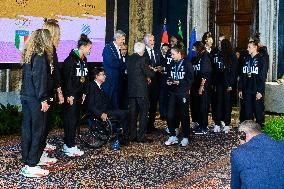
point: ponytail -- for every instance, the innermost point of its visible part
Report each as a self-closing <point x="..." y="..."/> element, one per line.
<point x="83" y="41"/>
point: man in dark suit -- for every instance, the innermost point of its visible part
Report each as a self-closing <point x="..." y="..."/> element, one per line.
<point x="99" y="104"/>
<point x="114" y="67"/>
<point x="259" y="161"/>
<point x="139" y="75"/>
<point x="123" y="93"/>
<point x="153" y="58"/>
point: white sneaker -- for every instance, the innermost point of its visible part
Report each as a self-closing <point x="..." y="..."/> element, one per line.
<point x="226" y="129"/>
<point x="217" y="128"/>
<point x="49" y="147"/>
<point x="172" y="140"/>
<point x="35" y="172"/>
<point x="45" y="160"/>
<point x="73" y="151"/>
<point x="184" y="142"/>
<point x="64" y="147"/>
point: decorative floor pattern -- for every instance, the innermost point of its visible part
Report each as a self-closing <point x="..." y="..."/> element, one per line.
<point x="203" y="164"/>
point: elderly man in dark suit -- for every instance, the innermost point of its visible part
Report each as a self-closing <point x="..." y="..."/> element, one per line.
<point x="153" y="59"/>
<point x="114" y="67"/>
<point x="100" y="106"/>
<point x="139" y="75"/>
<point x="259" y="161"/>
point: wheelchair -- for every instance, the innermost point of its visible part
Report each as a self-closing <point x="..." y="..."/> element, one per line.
<point x="94" y="133"/>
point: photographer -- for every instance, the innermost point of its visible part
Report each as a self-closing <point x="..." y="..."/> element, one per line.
<point x="259" y="161"/>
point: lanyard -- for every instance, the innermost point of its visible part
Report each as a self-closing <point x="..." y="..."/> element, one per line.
<point x="251" y="63"/>
<point x="177" y="68"/>
<point x="82" y="70"/>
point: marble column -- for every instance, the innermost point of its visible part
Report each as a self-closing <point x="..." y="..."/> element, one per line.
<point x="198" y="11"/>
<point x="115" y="17"/>
<point x="268" y="28"/>
<point x="140" y="21"/>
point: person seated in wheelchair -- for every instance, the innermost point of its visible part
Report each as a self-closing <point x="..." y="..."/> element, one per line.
<point x="99" y="104"/>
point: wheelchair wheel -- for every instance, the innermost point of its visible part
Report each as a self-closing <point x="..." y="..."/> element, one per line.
<point x="94" y="133"/>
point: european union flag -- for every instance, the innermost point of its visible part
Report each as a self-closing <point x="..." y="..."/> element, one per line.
<point x="192" y="40"/>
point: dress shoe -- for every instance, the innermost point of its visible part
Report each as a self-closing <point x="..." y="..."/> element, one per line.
<point x="152" y="130"/>
<point x="124" y="142"/>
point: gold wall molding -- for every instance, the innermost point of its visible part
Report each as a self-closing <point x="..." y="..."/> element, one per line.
<point x="140" y="21"/>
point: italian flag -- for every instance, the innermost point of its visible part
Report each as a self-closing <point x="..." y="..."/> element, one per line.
<point x="21" y="36"/>
<point x="180" y="30"/>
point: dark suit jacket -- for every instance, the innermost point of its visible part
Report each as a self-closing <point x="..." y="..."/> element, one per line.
<point x="138" y="71"/>
<point x="98" y="100"/>
<point x="114" y="69"/>
<point x="157" y="55"/>
<point x="156" y="79"/>
<point x="258" y="164"/>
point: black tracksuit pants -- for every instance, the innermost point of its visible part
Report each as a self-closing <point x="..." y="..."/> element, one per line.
<point x="253" y="108"/>
<point x="138" y="107"/>
<point x="70" y="119"/>
<point x="194" y="106"/>
<point x="199" y="108"/>
<point x="204" y="110"/>
<point x="178" y="103"/>
<point x="223" y="105"/>
<point x="242" y="111"/>
<point x="33" y="131"/>
<point x="48" y="121"/>
<point x="213" y="103"/>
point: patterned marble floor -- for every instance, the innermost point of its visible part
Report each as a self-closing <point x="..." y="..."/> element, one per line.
<point x="203" y="164"/>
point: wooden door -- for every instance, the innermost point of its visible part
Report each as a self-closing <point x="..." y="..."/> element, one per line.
<point x="237" y="19"/>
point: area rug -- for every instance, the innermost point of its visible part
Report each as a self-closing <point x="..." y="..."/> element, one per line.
<point x="205" y="163"/>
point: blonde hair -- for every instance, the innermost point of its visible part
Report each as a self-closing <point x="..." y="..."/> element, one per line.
<point x="40" y="43"/>
<point x="54" y="29"/>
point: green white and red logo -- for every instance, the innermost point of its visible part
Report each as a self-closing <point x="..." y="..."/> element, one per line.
<point x="21" y="36"/>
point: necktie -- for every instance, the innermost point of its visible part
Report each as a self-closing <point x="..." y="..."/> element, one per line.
<point x="152" y="57"/>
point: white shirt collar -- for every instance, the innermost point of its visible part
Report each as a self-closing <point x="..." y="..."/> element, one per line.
<point x="149" y="52"/>
<point x="98" y="84"/>
<point x="149" y="49"/>
<point x="117" y="48"/>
